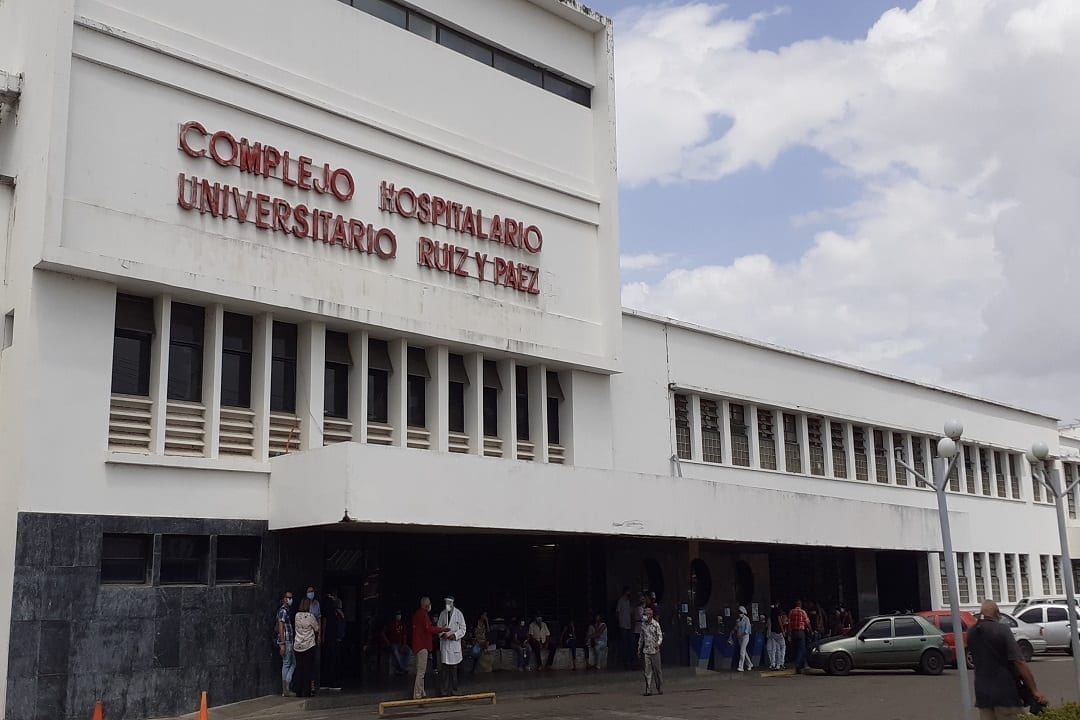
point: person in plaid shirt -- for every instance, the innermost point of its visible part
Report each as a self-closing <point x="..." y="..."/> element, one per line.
<point x="798" y="624"/>
<point x="285" y="642"/>
<point x="649" y="642"/>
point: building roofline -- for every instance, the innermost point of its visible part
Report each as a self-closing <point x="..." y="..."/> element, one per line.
<point x="691" y="327"/>
<point x="576" y="12"/>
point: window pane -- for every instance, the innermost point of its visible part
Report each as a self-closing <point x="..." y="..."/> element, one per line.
<point x="422" y="26"/>
<point x="1032" y="616"/>
<point x="283" y="385"/>
<point x="336" y="390"/>
<point x="237" y="559"/>
<point x="877" y="629"/>
<point x="457" y="407"/>
<point x="236" y="332"/>
<point x="491" y="412"/>
<point x="946" y="623"/>
<point x="378" y="395"/>
<point x="465" y="45"/>
<point x="185" y="559"/>
<point x="519" y="68"/>
<point x="187" y="324"/>
<point x="131" y="363"/>
<point x="185" y="372"/>
<point x="388" y="11"/>
<point x="283" y="344"/>
<point x="553" y="420"/>
<point x="567" y="89"/>
<point x="125" y="559"/>
<point x="907" y="627"/>
<point x="416" y="401"/>
<point x="521" y="405"/>
<point x="1056" y="614"/>
<point x="236" y="379"/>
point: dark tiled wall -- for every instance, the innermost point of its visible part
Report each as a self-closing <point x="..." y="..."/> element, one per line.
<point x="145" y="651"/>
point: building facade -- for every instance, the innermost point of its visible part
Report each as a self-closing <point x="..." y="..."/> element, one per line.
<point x="330" y="296"/>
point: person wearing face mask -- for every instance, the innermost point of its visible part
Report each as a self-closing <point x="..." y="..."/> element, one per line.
<point x="285" y="642"/>
<point x="539" y="640"/>
<point x="519" y="641"/>
<point x="450" y="645"/>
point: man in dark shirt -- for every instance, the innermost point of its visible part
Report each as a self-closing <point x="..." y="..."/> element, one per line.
<point x="998" y="665"/>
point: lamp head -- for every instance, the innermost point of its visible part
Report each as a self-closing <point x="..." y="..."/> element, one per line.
<point x="954" y="429"/>
<point x="1030" y="457"/>
<point x="946" y="448"/>
<point x="1040" y="451"/>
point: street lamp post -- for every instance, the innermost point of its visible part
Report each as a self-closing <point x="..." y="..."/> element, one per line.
<point x="942" y="466"/>
<point x="1051" y="478"/>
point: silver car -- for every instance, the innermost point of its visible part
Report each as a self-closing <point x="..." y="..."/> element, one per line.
<point x="1054" y="622"/>
<point x="1029" y="636"/>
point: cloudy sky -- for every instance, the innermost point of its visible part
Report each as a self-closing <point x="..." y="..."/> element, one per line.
<point x="885" y="182"/>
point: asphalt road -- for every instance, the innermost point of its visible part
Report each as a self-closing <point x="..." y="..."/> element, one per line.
<point x="886" y="695"/>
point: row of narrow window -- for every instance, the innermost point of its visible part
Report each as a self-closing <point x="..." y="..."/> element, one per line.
<point x="132" y="347"/>
<point x="1002" y="478"/>
<point x="1048" y="565"/>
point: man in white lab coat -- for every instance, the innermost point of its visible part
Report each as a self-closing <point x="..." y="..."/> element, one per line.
<point x="450" y="645"/>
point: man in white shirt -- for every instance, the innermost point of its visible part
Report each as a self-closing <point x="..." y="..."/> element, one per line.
<point x="539" y="639"/>
<point x="450" y="645"/>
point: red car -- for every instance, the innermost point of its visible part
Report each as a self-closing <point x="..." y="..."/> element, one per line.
<point x="942" y="620"/>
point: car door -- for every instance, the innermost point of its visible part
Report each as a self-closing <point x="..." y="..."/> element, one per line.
<point x="875" y="644"/>
<point x="1035" y="616"/>
<point x="1057" y="626"/>
<point x="908" y="640"/>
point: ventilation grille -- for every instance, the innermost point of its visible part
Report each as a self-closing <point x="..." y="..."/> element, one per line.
<point x="493" y="447"/>
<point x="418" y="438"/>
<point x="236" y="435"/>
<point x="284" y="433"/>
<point x="556" y="454"/>
<point x="129" y="423"/>
<point x="185" y="428"/>
<point x="336" y="430"/>
<point x="380" y="433"/>
<point x="459" y="442"/>
<point x="526" y="450"/>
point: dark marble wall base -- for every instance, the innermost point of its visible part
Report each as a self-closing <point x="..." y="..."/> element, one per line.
<point x="147" y="651"/>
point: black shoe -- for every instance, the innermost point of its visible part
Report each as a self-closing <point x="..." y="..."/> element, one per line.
<point x="646" y="694"/>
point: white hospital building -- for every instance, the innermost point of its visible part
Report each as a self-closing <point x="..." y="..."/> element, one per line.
<point x="327" y="293"/>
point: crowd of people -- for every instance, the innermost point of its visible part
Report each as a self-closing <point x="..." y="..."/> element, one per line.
<point x="308" y="639"/>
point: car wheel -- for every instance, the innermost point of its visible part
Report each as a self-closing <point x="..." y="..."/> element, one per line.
<point x="839" y="664"/>
<point x="970" y="659"/>
<point x="932" y="663"/>
<point x="1026" y="650"/>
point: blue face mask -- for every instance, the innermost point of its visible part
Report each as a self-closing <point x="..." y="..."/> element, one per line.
<point x="311" y="596"/>
<point x="288" y="601"/>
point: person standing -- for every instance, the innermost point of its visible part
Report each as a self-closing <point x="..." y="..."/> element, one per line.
<point x="423" y="632"/>
<point x="637" y="616"/>
<point x="450" y="645"/>
<point x="393" y="636"/>
<point x="285" y="642"/>
<point x="306" y="648"/>
<point x="540" y="640"/>
<point x="312" y="596"/>
<point x="569" y="640"/>
<point x="777" y="647"/>
<point x="519" y="643"/>
<point x="999" y="668"/>
<point x="742" y="636"/>
<point x="649" y="643"/>
<point x="480" y="638"/>
<point x="623" y="613"/>
<point x="798" y="624"/>
<point x="596" y="640"/>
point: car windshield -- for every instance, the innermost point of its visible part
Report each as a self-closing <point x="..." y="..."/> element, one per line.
<point x="1007" y="620"/>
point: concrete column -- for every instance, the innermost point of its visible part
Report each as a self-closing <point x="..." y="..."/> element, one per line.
<point x="211" y="390"/>
<point x="937" y="595"/>
<point x="507" y="410"/>
<point x="1008" y="477"/>
<point x="474" y="403"/>
<point x="696" y="452"/>
<point x="437" y="399"/>
<point x="1035" y="573"/>
<point x="993" y="473"/>
<point x="397" y="395"/>
<point x="752" y="431"/>
<point x="159" y="372"/>
<point x="804" y="442"/>
<point x="892" y="440"/>
<point x="725" y="431"/>
<point x="538" y="413"/>
<point x="826" y="441"/>
<point x="976" y="464"/>
<point x="310" y="379"/>
<point x="781" y="440"/>
<point x="358" y="373"/>
<point x="849" y="447"/>
<point x="961" y="470"/>
<point x="871" y="454"/>
<point x="261" y="356"/>
<point x="866" y="583"/>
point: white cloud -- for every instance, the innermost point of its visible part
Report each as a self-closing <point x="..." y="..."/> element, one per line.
<point x="959" y="118"/>
<point x="644" y="261"/>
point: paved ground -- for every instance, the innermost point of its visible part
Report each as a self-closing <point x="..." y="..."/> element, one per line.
<point x="860" y="696"/>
